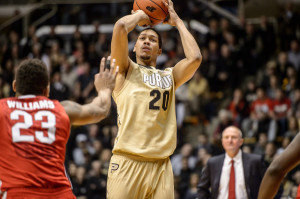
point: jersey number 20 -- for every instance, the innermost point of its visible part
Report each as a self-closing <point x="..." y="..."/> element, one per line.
<point x="28" y="122"/>
<point x="157" y="96"/>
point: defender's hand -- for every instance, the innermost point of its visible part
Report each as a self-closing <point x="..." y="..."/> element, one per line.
<point x="106" y="77"/>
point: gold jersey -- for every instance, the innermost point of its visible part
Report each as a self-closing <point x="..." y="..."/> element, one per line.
<point x="146" y="113"/>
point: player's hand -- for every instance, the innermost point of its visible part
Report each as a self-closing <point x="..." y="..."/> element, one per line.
<point x="106" y="78"/>
<point x="144" y="18"/>
<point x="173" y="18"/>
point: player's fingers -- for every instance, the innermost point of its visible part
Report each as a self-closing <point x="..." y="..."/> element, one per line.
<point x="166" y="3"/>
<point x="102" y="64"/>
<point x="112" y="66"/>
<point x="107" y="63"/>
<point x="116" y="72"/>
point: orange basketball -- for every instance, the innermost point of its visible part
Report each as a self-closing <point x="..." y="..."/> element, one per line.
<point x="155" y="9"/>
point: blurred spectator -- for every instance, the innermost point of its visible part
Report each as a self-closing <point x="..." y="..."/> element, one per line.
<point x="50" y="39"/>
<point x="55" y="58"/>
<point x="72" y="171"/>
<point x="270" y="152"/>
<point x="246" y="148"/>
<point x="4" y="88"/>
<point x="105" y="159"/>
<point x="260" y="146"/>
<point x="261" y="112"/>
<point x="294" y="54"/>
<point x="267" y="35"/>
<point x="182" y="98"/>
<point x="198" y="93"/>
<point x="191" y="193"/>
<point x="287" y="21"/>
<point x="184" y="177"/>
<point x="84" y="85"/>
<point x="293" y="127"/>
<point x="225" y="74"/>
<point x="185" y="152"/>
<point x="76" y="37"/>
<point x="105" y="137"/>
<point x="250" y="91"/>
<point x="265" y="75"/>
<point x="291" y="82"/>
<point x="203" y="155"/>
<point x="58" y="89"/>
<point x="274" y="85"/>
<point x="238" y="106"/>
<point x="68" y="73"/>
<point x="282" y="106"/>
<point x="83" y="151"/>
<point x="28" y="41"/>
<point x="102" y="44"/>
<point x="214" y="33"/>
<point x="285" y="142"/>
<point x="96" y="182"/>
<point x="37" y="53"/>
<point x="281" y="65"/>
<point x="80" y="183"/>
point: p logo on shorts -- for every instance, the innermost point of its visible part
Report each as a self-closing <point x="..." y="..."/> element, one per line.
<point x="114" y="167"/>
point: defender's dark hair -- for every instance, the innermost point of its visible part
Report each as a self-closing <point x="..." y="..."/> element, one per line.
<point x="32" y="77"/>
<point x="159" y="37"/>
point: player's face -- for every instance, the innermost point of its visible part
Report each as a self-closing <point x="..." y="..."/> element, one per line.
<point x="147" y="46"/>
<point x="232" y="140"/>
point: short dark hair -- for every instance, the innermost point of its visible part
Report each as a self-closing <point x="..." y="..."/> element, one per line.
<point x="32" y="77"/>
<point x="159" y="37"/>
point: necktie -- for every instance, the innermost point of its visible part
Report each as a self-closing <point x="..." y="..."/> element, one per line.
<point x="231" y="191"/>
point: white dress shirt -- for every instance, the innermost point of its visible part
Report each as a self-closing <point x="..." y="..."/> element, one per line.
<point x="240" y="187"/>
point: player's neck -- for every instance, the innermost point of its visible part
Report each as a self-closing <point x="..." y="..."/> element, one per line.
<point x="146" y="62"/>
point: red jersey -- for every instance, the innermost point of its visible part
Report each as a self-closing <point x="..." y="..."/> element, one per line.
<point x="264" y="105"/>
<point x="281" y="107"/>
<point x="298" y="193"/>
<point x="34" y="133"/>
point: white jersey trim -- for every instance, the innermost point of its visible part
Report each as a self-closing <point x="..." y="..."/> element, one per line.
<point x="0" y="186"/>
<point x="68" y="177"/>
<point x="26" y="96"/>
<point x="4" y="195"/>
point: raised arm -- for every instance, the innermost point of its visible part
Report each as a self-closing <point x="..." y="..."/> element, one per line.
<point x="279" y="167"/>
<point x="99" y="108"/>
<point x="185" y="69"/>
<point x="119" y="43"/>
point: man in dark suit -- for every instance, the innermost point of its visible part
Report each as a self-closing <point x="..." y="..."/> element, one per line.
<point x="233" y="175"/>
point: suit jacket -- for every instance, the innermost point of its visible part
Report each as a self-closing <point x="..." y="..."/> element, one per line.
<point x="254" y="169"/>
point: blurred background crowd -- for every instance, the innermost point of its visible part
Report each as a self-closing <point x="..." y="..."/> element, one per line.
<point x="249" y="77"/>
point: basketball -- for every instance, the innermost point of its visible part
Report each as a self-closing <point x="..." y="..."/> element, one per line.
<point x="155" y="9"/>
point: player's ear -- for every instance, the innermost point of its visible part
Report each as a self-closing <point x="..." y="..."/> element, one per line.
<point x="47" y="91"/>
<point x="134" y="49"/>
<point x="14" y="86"/>
<point x="159" y="51"/>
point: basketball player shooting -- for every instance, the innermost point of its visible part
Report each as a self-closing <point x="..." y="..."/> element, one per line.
<point x="145" y="96"/>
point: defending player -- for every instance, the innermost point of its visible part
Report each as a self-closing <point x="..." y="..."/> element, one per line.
<point x="35" y="130"/>
<point x="145" y="97"/>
